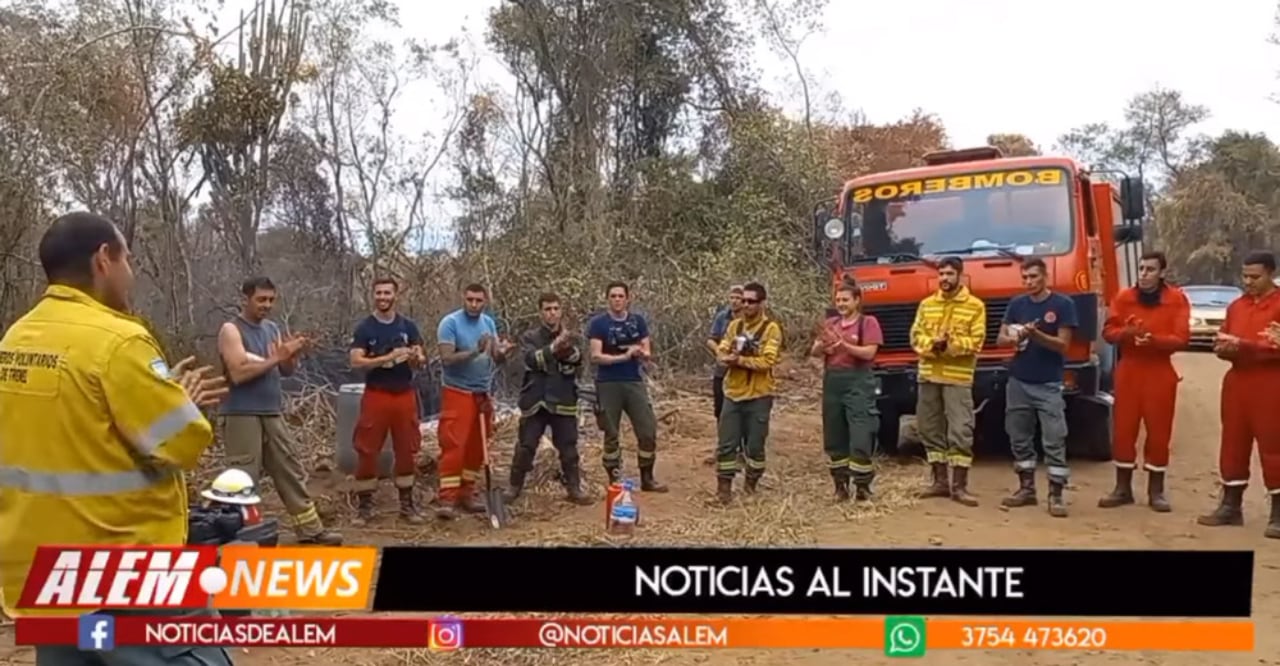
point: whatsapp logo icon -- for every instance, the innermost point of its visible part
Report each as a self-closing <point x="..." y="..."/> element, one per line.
<point x="904" y="636"/>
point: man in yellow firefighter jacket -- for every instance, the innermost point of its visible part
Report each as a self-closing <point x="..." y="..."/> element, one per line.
<point x="95" y="428"/>
<point x="947" y="335"/>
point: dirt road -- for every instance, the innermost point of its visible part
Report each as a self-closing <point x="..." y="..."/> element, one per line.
<point x="798" y="484"/>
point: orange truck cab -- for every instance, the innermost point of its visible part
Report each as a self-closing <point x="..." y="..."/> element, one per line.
<point x="887" y="231"/>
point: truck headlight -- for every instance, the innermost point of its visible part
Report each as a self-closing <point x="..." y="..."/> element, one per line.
<point x="833" y="229"/>
<point x="1196" y="321"/>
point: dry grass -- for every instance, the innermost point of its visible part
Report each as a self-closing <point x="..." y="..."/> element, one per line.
<point x="794" y="504"/>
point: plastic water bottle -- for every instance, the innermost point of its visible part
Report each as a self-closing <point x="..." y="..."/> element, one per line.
<point x="625" y="513"/>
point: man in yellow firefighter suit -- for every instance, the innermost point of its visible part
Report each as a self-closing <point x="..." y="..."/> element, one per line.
<point x="947" y="335"/>
<point x="95" y="428"/>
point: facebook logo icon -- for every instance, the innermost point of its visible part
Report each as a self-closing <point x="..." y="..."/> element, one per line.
<point x="97" y="632"/>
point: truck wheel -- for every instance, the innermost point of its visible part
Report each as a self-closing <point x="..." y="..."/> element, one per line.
<point x="1089" y="427"/>
<point x="888" y="433"/>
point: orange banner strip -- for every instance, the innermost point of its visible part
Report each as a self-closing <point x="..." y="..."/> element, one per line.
<point x="1089" y="635"/>
<point x="902" y="636"/>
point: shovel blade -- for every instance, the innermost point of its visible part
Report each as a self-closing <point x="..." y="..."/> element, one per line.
<point x="498" y="517"/>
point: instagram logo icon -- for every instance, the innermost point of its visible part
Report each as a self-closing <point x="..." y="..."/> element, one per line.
<point x="445" y="634"/>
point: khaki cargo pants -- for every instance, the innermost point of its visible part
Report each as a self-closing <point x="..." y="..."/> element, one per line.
<point x="260" y="443"/>
<point x="944" y="419"/>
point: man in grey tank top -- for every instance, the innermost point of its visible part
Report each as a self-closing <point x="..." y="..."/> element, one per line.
<point x="254" y="433"/>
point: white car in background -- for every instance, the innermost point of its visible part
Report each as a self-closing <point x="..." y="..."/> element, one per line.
<point x="1208" y="310"/>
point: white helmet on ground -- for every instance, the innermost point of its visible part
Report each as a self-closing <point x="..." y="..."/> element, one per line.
<point x="232" y="486"/>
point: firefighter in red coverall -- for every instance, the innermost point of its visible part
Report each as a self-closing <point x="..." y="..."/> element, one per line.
<point x="1250" y="401"/>
<point x="1148" y="323"/>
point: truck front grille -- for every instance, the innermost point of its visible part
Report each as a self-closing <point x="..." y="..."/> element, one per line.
<point x="896" y="319"/>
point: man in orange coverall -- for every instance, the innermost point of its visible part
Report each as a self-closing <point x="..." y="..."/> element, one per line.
<point x="1148" y="323"/>
<point x="1250" y="401"/>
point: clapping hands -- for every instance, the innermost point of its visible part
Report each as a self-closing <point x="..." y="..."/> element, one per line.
<point x="202" y="389"/>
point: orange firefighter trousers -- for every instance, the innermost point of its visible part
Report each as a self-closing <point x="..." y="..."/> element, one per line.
<point x="462" y="454"/>
<point x="382" y="412"/>
<point x="1146" y="392"/>
<point x="1250" y="412"/>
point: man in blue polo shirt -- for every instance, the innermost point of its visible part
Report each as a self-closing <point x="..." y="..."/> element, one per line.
<point x="387" y="347"/>
<point x="469" y="349"/>
<point x="1039" y="325"/>
<point x="619" y="344"/>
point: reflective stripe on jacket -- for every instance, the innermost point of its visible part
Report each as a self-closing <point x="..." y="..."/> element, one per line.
<point x="94" y="436"/>
<point x="963" y="317"/>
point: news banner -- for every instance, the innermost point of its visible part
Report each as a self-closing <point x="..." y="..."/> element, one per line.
<point x="904" y="602"/>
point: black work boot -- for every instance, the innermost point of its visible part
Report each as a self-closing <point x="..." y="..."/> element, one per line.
<point x="840" y="477"/>
<point x="1273" y="525"/>
<point x="408" y="508"/>
<point x="1155" y="493"/>
<point x="648" y="484"/>
<point x="862" y="490"/>
<point x="752" y="482"/>
<point x="1025" y="495"/>
<point x="960" y="487"/>
<point x="364" y="508"/>
<point x="613" y="474"/>
<point x="724" y="489"/>
<point x="1229" y="511"/>
<point x="1123" y="492"/>
<point x="573" y="486"/>
<point x="515" y="486"/>
<point x="940" y="486"/>
<point x="1057" y="502"/>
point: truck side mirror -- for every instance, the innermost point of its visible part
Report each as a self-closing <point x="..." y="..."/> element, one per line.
<point x="1133" y="201"/>
<point x="820" y="217"/>
<point x="1128" y="233"/>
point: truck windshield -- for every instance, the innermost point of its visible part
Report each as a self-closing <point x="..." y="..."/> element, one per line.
<point x="990" y="213"/>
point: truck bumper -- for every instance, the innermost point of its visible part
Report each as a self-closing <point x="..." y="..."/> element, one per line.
<point x="899" y="387"/>
<point x="1088" y="409"/>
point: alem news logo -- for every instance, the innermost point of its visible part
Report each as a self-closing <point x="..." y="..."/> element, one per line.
<point x="237" y="577"/>
<point x="97" y="632"/>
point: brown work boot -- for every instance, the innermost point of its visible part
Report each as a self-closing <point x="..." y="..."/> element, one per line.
<point x="364" y="508"/>
<point x="939" y="487"/>
<point x="1155" y="493"/>
<point x="752" y="482"/>
<point x="1273" y="525"/>
<point x="469" y="504"/>
<point x="1229" y="511"/>
<point x="960" y="487"/>
<point x="840" y="477"/>
<point x="724" y="489"/>
<point x="408" y="507"/>
<point x="446" y="510"/>
<point x="1025" y="495"/>
<point x="1057" y="502"/>
<point x="319" y="536"/>
<point x="1123" y="492"/>
<point x="573" y="486"/>
<point x="862" y="491"/>
<point x="648" y="484"/>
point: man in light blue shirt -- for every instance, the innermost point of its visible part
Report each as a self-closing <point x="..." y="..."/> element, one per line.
<point x="469" y="350"/>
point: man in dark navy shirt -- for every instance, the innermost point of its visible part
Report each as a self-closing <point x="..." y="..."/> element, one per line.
<point x="620" y="342"/>
<point x="1039" y="324"/>
<point x="387" y="346"/>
